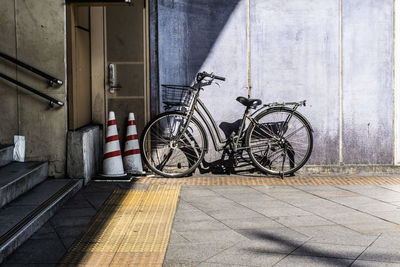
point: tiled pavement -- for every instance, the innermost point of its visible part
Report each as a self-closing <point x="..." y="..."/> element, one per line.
<point x="252" y="225"/>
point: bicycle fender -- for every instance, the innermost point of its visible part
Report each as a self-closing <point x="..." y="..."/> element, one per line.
<point x="262" y="113"/>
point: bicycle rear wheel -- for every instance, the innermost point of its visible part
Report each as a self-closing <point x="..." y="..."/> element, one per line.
<point x="281" y="141"/>
<point x="171" y="150"/>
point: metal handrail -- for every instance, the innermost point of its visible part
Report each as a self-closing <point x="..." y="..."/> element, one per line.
<point x="52" y="81"/>
<point x="20" y="84"/>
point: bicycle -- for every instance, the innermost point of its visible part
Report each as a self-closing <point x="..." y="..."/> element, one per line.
<point x="278" y="139"/>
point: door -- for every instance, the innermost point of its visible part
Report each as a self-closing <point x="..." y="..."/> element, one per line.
<point x="126" y="64"/>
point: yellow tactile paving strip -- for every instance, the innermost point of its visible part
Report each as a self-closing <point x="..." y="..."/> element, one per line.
<point x="251" y="180"/>
<point x="132" y="229"/>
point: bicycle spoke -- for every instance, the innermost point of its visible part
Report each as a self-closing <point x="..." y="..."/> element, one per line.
<point x="287" y="139"/>
<point x="171" y="151"/>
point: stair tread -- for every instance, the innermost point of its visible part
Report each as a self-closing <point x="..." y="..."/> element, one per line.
<point x="18" y="209"/>
<point x="14" y="170"/>
<point x="6" y="154"/>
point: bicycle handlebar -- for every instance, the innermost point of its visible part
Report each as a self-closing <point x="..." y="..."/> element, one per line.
<point x="202" y="75"/>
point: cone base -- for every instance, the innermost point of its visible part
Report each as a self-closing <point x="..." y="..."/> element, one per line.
<point x="136" y="172"/>
<point x="113" y="175"/>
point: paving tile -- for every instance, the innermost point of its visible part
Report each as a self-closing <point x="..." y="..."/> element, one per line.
<point x="185" y="206"/>
<point x="50" y="252"/>
<point x="290" y="195"/>
<point x="45" y="232"/>
<point x="282" y="235"/>
<point x="178" y="263"/>
<point x="215" y="204"/>
<point x="214" y="264"/>
<point x="69" y="241"/>
<point x="177" y="239"/>
<point x="391" y="216"/>
<point x="60" y="221"/>
<point x="78" y="201"/>
<point x="329" y="250"/>
<point x="71" y="231"/>
<point x="355" y="201"/>
<point x="308" y="261"/>
<point x="253" y="197"/>
<point x="378" y="253"/>
<point x="310" y="202"/>
<point x="250" y="223"/>
<point x="336" y="234"/>
<point x="376" y="192"/>
<point x="328" y="191"/>
<point x="77" y="212"/>
<point x="197" y="192"/>
<point x="209" y="224"/>
<point x="209" y="236"/>
<point x="281" y="211"/>
<point x="191" y="215"/>
<point x="194" y="252"/>
<point x="97" y="199"/>
<point x="275" y="188"/>
<point x="364" y="263"/>
<point x="302" y="220"/>
<point x="353" y="218"/>
<point x="373" y="227"/>
<point x="391" y="239"/>
<point x="330" y="211"/>
<point x="395" y="187"/>
<point x="229" y="190"/>
<point x="260" y="205"/>
<point x="249" y="255"/>
<point x="372" y="208"/>
<point x="233" y="213"/>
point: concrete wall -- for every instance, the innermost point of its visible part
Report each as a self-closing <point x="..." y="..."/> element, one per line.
<point x="300" y="49"/>
<point x="367" y="81"/>
<point x="34" y="32"/>
<point x="211" y="37"/>
<point x="295" y="56"/>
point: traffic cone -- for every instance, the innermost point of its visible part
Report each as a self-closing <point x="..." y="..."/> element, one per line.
<point x="112" y="160"/>
<point x="132" y="159"/>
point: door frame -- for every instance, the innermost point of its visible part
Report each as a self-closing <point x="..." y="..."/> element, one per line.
<point x="98" y="61"/>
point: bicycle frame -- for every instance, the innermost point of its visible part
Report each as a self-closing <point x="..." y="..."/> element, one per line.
<point x="218" y="141"/>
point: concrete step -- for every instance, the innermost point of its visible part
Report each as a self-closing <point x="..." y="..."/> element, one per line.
<point x="6" y="154"/>
<point x="17" y="178"/>
<point x="26" y="214"/>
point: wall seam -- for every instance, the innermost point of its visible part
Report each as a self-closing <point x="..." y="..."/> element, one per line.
<point x="395" y="89"/>
<point x="248" y="51"/>
<point x="16" y="68"/>
<point x="341" y="82"/>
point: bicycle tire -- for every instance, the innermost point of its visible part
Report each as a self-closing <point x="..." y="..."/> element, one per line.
<point x="167" y="155"/>
<point x="270" y="142"/>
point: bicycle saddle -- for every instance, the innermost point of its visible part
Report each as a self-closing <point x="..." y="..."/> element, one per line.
<point x="249" y="102"/>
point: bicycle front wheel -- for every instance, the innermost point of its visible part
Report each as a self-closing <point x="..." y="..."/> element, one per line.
<point x="280" y="142"/>
<point x="171" y="147"/>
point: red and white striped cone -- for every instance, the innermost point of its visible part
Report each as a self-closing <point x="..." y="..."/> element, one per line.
<point x="112" y="160"/>
<point x="132" y="159"/>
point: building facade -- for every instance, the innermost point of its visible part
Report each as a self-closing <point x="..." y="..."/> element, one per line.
<point x="340" y="55"/>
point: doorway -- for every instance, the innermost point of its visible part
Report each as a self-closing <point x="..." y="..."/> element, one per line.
<point x="126" y="64"/>
<point x="115" y="58"/>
